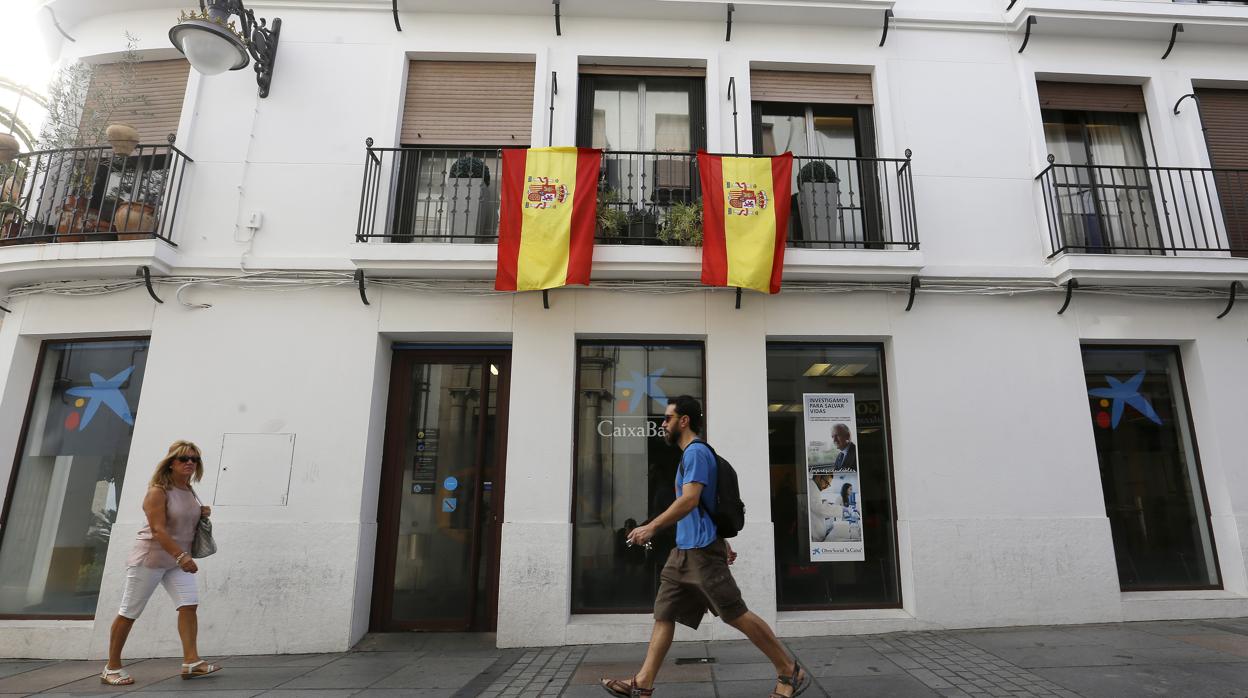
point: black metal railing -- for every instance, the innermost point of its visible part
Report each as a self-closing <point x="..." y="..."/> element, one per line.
<point x="452" y="195"/>
<point x="91" y="193"/>
<point x="1122" y="209"/>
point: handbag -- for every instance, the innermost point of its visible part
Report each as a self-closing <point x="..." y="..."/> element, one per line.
<point x="203" y="544"/>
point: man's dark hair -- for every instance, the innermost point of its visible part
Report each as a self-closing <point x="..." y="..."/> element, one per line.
<point x="687" y="406"/>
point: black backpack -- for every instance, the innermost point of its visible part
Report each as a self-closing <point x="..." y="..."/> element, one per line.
<point x="729" y="514"/>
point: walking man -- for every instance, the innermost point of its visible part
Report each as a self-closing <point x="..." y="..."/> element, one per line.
<point x="696" y="577"/>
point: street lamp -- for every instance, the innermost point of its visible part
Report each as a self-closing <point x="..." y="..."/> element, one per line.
<point x="209" y="41"/>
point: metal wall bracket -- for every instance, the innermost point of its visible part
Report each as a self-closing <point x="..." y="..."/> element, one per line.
<point x="4" y="309"/>
<point x="546" y="299"/>
<point x="1174" y="36"/>
<point x="1230" y="302"/>
<point x="1031" y="22"/>
<point x="731" y="8"/>
<point x="558" y="24"/>
<point x="554" y="90"/>
<point x="888" y="15"/>
<point x="1070" y="293"/>
<point x="1193" y="95"/>
<point x="732" y="97"/>
<point x="914" y="288"/>
<point x="62" y="31"/>
<point x="360" y="280"/>
<point x="146" y="273"/>
<point x="394" y="7"/>
<point x="738" y="298"/>
<point x="1010" y="6"/>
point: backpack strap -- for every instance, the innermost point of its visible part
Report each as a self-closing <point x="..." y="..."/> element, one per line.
<point x="682" y="474"/>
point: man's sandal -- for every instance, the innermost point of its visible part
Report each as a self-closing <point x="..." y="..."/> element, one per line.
<point x="797" y="679"/>
<point x="625" y="689"/>
<point x="115" y="677"/>
<point x="198" y="669"/>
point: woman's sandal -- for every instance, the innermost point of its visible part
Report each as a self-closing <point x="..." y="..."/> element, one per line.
<point x="625" y="689"/>
<point x="798" y="679"/>
<point x="198" y="669"/>
<point x="115" y="677"/>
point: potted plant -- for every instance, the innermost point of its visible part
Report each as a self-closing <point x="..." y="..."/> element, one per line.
<point x="133" y="204"/>
<point x="611" y="217"/>
<point x="470" y="193"/>
<point x="682" y="225"/>
<point x="12" y="219"/>
<point x="818" y="200"/>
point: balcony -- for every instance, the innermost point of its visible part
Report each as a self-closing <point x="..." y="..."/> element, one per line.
<point x="91" y="195"/>
<point x="1211" y="21"/>
<point x="1116" y="224"/>
<point x="438" y="195"/>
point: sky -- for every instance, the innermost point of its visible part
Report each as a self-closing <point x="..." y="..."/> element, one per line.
<point x="22" y="56"/>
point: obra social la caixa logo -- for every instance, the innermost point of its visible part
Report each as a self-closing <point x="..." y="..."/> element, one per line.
<point x="634" y="393"/>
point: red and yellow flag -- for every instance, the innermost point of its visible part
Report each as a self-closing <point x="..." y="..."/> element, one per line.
<point x="546" y="223"/>
<point x="745" y="220"/>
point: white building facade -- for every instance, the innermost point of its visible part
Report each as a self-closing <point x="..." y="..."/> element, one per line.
<point x="390" y="445"/>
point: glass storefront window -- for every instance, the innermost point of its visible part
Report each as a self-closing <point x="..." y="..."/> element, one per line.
<point x="625" y="472"/>
<point x="72" y="461"/>
<point x="1150" y="476"/>
<point x="831" y="487"/>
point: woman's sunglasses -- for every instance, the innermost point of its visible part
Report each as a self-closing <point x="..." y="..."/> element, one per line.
<point x="189" y="459"/>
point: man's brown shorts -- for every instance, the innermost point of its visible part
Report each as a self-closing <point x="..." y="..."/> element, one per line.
<point x="695" y="581"/>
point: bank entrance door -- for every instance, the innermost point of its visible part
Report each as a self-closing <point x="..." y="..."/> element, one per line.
<point x="440" y="508"/>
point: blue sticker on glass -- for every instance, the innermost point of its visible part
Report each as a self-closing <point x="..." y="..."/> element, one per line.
<point x="448" y="504"/>
<point x="451" y="484"/>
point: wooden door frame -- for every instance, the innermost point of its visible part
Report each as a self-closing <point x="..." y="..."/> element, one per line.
<point x="390" y="498"/>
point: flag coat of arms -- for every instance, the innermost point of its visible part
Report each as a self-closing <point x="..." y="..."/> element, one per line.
<point x="547" y="219"/>
<point x="745" y="219"/>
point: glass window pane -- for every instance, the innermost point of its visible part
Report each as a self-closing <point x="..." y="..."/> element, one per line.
<point x="625" y="472"/>
<point x="809" y="472"/>
<point x="1151" y="481"/>
<point x="834" y="137"/>
<point x="667" y="115"/>
<point x="616" y="113"/>
<point x="73" y="461"/>
<point x="784" y="129"/>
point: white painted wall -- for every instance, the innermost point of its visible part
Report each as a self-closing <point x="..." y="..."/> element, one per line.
<point x="987" y="399"/>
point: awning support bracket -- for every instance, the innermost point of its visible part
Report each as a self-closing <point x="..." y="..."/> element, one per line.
<point x="394" y="7"/>
<point x="558" y="24"/>
<point x="888" y="15"/>
<point x="1070" y="293"/>
<point x="1031" y="22"/>
<point x="360" y="281"/>
<point x="914" y="289"/>
<point x="1230" y="302"/>
<point x="146" y="272"/>
<point x="1174" y="36"/>
<point x="731" y="8"/>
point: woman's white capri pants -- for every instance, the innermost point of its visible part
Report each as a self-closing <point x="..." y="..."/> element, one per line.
<point x="141" y="582"/>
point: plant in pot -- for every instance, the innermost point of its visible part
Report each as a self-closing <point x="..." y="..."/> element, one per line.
<point x="132" y="206"/>
<point x="611" y="217"/>
<point x="682" y="225"/>
<point x="470" y="194"/>
<point x="818" y="199"/>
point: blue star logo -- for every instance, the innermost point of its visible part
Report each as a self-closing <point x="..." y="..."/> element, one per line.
<point x="104" y="392"/>
<point x="1124" y="394"/>
<point x="641" y="386"/>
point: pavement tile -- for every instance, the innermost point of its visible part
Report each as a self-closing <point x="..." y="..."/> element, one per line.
<point x="1153" y="680"/>
<point x="409" y="692"/>
<point x="1031" y="637"/>
<point x="49" y="677"/>
<point x="440" y="672"/>
<point x="277" y="660"/>
<point x="744" y="672"/>
<point x="897" y="685"/>
<point x="356" y="670"/>
<point x="742" y="689"/>
<point x="854" y="661"/>
<point x="588" y="673"/>
<point x="257" y="679"/>
<point x="12" y="667"/>
<point x="291" y="693"/>
<point x="1229" y="643"/>
<point x="1086" y="655"/>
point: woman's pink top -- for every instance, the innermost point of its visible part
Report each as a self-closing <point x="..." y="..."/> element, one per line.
<point x="182" y="517"/>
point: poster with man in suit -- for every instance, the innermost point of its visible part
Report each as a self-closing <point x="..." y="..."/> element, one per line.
<point x="832" y="477"/>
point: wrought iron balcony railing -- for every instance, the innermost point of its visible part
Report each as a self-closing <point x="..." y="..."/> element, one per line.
<point x="1120" y="209"/>
<point x="83" y="194"/>
<point x="452" y="195"/>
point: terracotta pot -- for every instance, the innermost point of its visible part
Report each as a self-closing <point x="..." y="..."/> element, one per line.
<point x="134" y="221"/>
<point x="123" y="137"/>
<point x="9" y="147"/>
<point x="76" y="219"/>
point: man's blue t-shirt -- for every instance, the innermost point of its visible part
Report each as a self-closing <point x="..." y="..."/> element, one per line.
<point x="697" y="529"/>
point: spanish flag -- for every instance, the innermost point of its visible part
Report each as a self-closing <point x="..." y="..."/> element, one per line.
<point x="546" y="224"/>
<point x="745" y="220"/>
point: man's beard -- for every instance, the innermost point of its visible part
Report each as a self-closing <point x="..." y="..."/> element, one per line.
<point x="671" y="437"/>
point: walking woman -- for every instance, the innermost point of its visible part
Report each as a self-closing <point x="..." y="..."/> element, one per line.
<point x="162" y="555"/>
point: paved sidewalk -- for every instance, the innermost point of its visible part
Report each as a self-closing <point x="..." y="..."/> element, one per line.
<point x="1178" y="658"/>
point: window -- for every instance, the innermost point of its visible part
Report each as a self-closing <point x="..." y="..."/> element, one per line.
<point x="62" y="501"/>
<point x="831" y="488"/>
<point x="836" y="190"/>
<point x="1150" y="473"/>
<point x="625" y="471"/>
<point x="638" y="113"/>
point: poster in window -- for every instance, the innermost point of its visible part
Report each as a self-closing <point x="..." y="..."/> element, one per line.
<point x="832" y="477"/>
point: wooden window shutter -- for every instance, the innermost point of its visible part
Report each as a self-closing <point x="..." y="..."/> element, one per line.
<point x="1224" y="114"/>
<point x="810" y="88"/>
<point x="1082" y="96"/>
<point x="149" y="98"/>
<point x="468" y="103"/>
